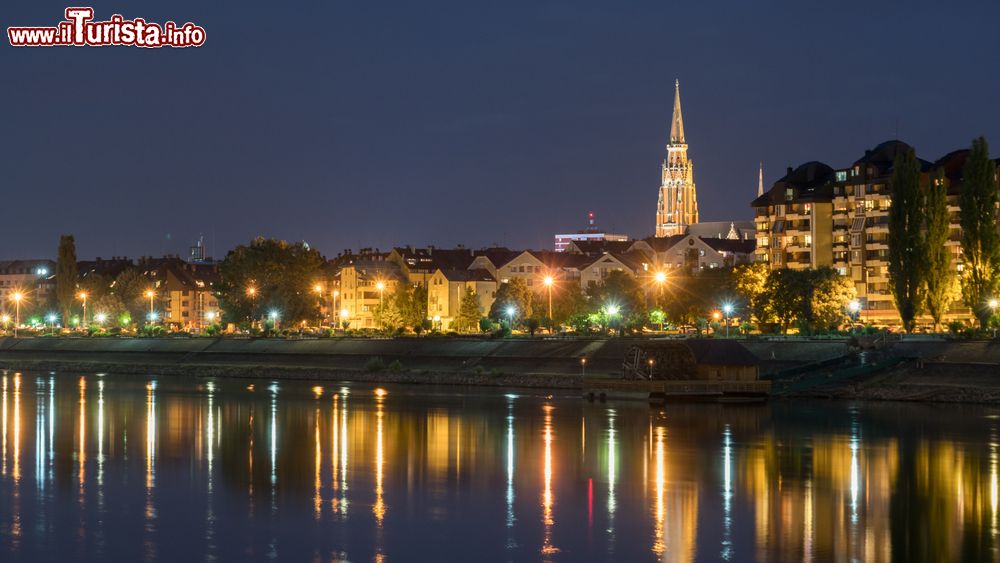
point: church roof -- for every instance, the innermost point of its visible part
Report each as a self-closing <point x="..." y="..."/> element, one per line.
<point x="677" y="121"/>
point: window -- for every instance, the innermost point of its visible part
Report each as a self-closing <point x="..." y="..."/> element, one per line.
<point x="842" y="175"/>
<point x="809" y="240"/>
<point x="789" y="194"/>
<point x="859" y="190"/>
<point x="807" y="208"/>
<point x="858" y="224"/>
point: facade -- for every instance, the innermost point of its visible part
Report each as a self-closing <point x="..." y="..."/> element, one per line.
<point x="185" y="292"/>
<point x="794" y="224"/>
<point x="360" y="280"/>
<point x="695" y="252"/>
<point x="446" y="289"/>
<point x="33" y="279"/>
<point x="677" y="206"/>
<point x="819" y="216"/>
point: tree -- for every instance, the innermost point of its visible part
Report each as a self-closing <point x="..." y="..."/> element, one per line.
<point x="66" y="275"/>
<point x="750" y="282"/>
<point x="130" y="286"/>
<point x="830" y="293"/>
<point x="907" y="256"/>
<point x="786" y="290"/>
<point x="282" y="275"/>
<point x="516" y="294"/>
<point x="409" y="303"/>
<point x="939" y="278"/>
<point x="388" y="315"/>
<point x="619" y="289"/>
<point x="469" y="313"/>
<point x="980" y="241"/>
<point x="568" y="301"/>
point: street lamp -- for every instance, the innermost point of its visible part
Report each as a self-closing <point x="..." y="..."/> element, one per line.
<point x="651" y="361"/>
<point x="52" y="322"/>
<point x="854" y="307"/>
<point x="82" y="296"/>
<point x="150" y="294"/>
<point x="548" y="281"/>
<point x="612" y="311"/>
<point x="100" y="318"/>
<point x="993" y="306"/>
<point x="252" y="295"/>
<point x="274" y="318"/>
<point x="318" y="289"/>
<point x="728" y="310"/>
<point x="16" y="297"/>
<point x="380" y="286"/>
<point x="660" y="277"/>
<point x="583" y="366"/>
<point x="511" y="311"/>
<point x="344" y="315"/>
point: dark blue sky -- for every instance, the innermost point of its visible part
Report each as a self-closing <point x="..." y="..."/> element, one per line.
<point x="373" y="123"/>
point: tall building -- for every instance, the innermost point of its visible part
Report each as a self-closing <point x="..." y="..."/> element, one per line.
<point x="677" y="207"/>
<point x="592" y="233"/>
<point x="819" y="216"/>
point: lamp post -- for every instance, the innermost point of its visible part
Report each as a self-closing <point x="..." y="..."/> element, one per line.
<point x="52" y="323"/>
<point x="548" y="281"/>
<point x="993" y="307"/>
<point x="583" y="366"/>
<point x="150" y="294"/>
<point x="651" y="361"/>
<point x="727" y="309"/>
<point x="252" y="294"/>
<point x="82" y="296"/>
<point x="336" y="294"/>
<point x="16" y="297"/>
<point x="318" y="288"/>
<point x="854" y="307"/>
<point x="380" y="286"/>
<point x="511" y="311"/>
<point x="344" y="316"/>
<point x="660" y="278"/>
<point x="612" y="311"/>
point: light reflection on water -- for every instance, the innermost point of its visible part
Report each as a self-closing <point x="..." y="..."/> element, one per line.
<point x="176" y="469"/>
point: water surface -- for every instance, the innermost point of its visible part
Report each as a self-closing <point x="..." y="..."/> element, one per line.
<point x="171" y="469"/>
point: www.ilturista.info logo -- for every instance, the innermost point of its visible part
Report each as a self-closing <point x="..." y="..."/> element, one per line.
<point x="79" y="30"/>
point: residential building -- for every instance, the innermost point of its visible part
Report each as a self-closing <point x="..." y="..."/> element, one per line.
<point x="695" y="252"/>
<point x="818" y="216"/>
<point x="447" y="288"/>
<point x="33" y="279"/>
<point x="677" y="205"/>
<point x="366" y="280"/>
<point x="794" y="225"/>
<point x="185" y="292"/>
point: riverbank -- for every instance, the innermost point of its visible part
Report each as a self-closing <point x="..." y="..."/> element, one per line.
<point x="927" y="370"/>
<point x="545" y="363"/>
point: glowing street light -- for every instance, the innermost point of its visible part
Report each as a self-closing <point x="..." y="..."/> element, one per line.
<point x="993" y="306"/>
<point x="511" y="311"/>
<point x="150" y="294"/>
<point x="100" y="318"/>
<point x="345" y="315"/>
<point x="52" y="322"/>
<point x="549" y="281"/>
<point x="727" y="308"/>
<point x="17" y="297"/>
<point x="82" y="296"/>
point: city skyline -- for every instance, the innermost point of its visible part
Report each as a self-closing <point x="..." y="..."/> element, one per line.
<point x="379" y="138"/>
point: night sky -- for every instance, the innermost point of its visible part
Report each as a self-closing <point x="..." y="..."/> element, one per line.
<point x="372" y="123"/>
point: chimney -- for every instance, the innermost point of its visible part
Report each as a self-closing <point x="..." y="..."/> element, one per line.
<point x="788" y="172"/>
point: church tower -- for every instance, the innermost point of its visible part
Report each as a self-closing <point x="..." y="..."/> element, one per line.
<point x="677" y="207"/>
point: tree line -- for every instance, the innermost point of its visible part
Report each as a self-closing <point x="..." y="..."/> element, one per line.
<point x="921" y="278"/>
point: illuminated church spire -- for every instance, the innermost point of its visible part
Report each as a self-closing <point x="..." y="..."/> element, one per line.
<point x="677" y="123"/>
<point x="760" y="180"/>
<point x="677" y="207"/>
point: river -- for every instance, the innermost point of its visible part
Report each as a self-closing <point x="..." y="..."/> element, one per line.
<point x="173" y="469"/>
